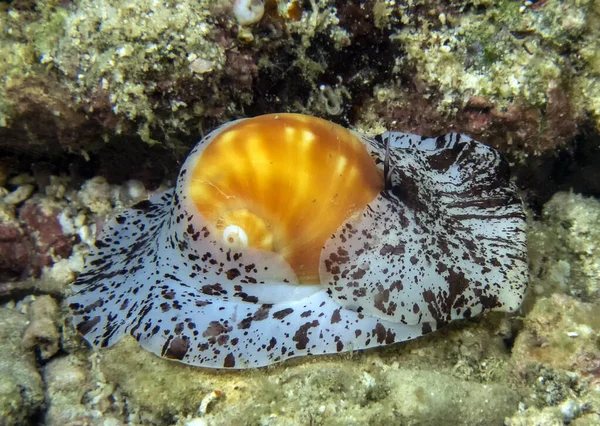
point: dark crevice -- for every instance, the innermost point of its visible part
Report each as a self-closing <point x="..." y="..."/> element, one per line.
<point x="574" y="167"/>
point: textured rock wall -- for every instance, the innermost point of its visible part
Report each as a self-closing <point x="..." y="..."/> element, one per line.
<point x="521" y="76"/>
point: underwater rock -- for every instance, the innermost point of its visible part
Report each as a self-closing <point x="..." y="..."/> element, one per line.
<point x="564" y="247"/>
<point x="329" y="390"/>
<point x="31" y="237"/>
<point x="561" y="331"/>
<point x="42" y="332"/>
<point x="14" y="252"/>
<point x="41" y="223"/>
<point x="66" y="379"/>
<point x="288" y="235"/>
<point x="77" y="73"/>
<point x="21" y="389"/>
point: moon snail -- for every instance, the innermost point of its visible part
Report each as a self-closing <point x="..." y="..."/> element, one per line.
<point x="288" y="235"/>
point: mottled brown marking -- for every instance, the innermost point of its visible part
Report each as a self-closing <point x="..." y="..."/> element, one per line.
<point x="380" y="299"/>
<point x="408" y="191"/>
<point x="457" y="284"/>
<point x="396" y="285"/>
<point x="489" y="302"/>
<point x="301" y="335"/>
<point x="178" y="348"/>
<point x="262" y="312"/>
<point x="229" y="361"/>
<point x="390" y="337"/>
<point x="283" y="313"/>
<point x="85" y="326"/>
<point x="426" y="328"/>
<point x="232" y="273"/>
<point x="215" y="328"/>
<point x="212" y="289"/>
<point x="380" y="332"/>
<point x="436" y="311"/>
<point x="396" y="250"/>
<point x="358" y="274"/>
<point x="442" y="160"/>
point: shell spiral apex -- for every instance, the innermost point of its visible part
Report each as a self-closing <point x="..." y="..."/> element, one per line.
<point x="287" y="235"/>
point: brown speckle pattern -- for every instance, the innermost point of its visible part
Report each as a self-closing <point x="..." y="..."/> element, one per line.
<point x="444" y="241"/>
<point x="449" y="234"/>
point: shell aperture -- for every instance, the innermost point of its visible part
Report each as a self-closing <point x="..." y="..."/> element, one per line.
<point x="293" y="181"/>
<point x="281" y="239"/>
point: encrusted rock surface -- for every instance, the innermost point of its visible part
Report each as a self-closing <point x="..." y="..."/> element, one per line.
<point x="21" y="387"/>
<point x="42" y="333"/>
<point x="412" y="386"/>
<point x="564" y="247"/>
<point x="519" y="75"/>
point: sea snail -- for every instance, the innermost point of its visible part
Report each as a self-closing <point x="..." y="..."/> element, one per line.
<point x="288" y="235"/>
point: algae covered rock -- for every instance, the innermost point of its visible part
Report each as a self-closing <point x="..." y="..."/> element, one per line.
<point x="327" y="390"/>
<point x="557" y="351"/>
<point x="564" y="247"/>
<point x="562" y="332"/>
<point x="21" y="388"/>
<point x="522" y="76"/>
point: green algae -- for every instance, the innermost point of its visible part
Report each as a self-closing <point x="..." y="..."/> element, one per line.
<point x="557" y="352"/>
<point x="123" y="52"/>
<point x="505" y="55"/>
<point x="127" y="51"/>
<point x="557" y="349"/>
<point x="558" y="332"/>
<point x="496" y="53"/>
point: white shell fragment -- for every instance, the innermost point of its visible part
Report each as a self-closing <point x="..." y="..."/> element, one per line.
<point x="248" y="12"/>
<point x="444" y="240"/>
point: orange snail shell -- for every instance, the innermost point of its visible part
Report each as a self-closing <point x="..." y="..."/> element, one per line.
<point x="287" y="182"/>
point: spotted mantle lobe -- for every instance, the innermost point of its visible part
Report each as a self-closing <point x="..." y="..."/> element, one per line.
<point x="445" y="240"/>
